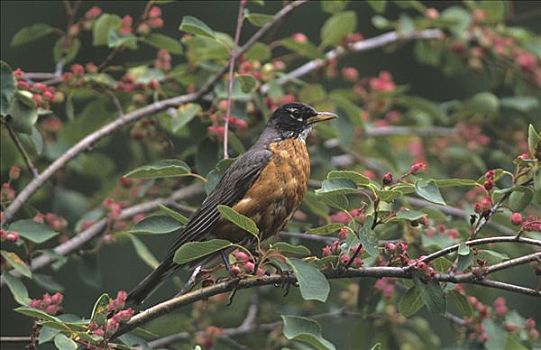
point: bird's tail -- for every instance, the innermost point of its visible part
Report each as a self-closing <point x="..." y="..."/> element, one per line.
<point x="150" y="283"/>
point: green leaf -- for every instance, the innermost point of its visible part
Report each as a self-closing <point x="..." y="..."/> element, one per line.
<point x="156" y="225"/>
<point x="160" y="169"/>
<point x="174" y="214"/>
<point x="306" y="49"/>
<point x="161" y="41"/>
<point x="491" y="256"/>
<point x="337" y="27"/>
<point x="431" y="293"/>
<point x="462" y="304"/>
<point x="23" y="112"/>
<point x="513" y="344"/>
<point x="520" y="198"/>
<point x="195" y="26"/>
<point x="31" y="33"/>
<point x="8" y="87"/>
<point x="377" y="5"/>
<point x="312" y="93"/>
<point x="464" y="261"/>
<point x="143" y="252"/>
<point x="184" y="115"/>
<point x="46" y="334"/>
<point x="63" y="342"/>
<point x="410" y="215"/>
<point x="410" y="302"/>
<point x="458" y="18"/>
<point x="442" y="264"/>
<point x="455" y="182"/>
<point x="533" y="140"/>
<point x="238" y="219"/>
<point x="116" y="39"/>
<point x="463" y="249"/>
<point x="333" y="6"/>
<point x="354" y="176"/>
<point x="33" y="231"/>
<point x="105" y="24"/>
<point x="306" y="331"/>
<point x="368" y="237"/>
<point x="326" y="229"/>
<point x="496" y="335"/>
<point x="258" y="19"/>
<point x="16" y="263"/>
<point x="337" y="186"/>
<point x="17" y="289"/>
<point x="258" y="52"/>
<point x="192" y="251"/>
<point x="99" y="311"/>
<point x="428" y="190"/>
<point x="47" y="282"/>
<point x="37" y="314"/>
<point x="67" y="53"/>
<point x="312" y="283"/>
<point x="288" y="248"/>
<point x="247" y="82"/>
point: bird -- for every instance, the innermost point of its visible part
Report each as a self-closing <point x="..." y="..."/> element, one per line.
<point x="267" y="184"/>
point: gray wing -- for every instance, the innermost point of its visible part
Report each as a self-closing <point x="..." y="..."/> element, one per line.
<point x="230" y="189"/>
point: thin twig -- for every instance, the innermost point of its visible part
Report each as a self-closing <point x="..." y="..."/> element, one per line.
<point x="128" y="118"/>
<point x="15" y="339"/>
<point x="231" y="78"/>
<point x="31" y="168"/>
<point x="488" y="240"/>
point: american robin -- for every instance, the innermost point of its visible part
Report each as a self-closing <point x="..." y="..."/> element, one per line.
<point x="267" y="184"/>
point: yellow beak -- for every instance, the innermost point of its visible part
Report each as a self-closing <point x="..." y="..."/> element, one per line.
<point x="321" y="117"/>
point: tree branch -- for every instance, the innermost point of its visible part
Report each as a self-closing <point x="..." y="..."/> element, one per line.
<point x="89" y="140"/>
<point x="93" y="231"/>
<point x="359" y="46"/>
<point x="250" y="282"/>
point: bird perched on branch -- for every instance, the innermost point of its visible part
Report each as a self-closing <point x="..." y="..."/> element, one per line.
<point x="267" y="184"/>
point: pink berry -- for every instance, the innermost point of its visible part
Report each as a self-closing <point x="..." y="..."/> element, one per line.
<point x="516" y="219"/>
<point x="299" y="37"/>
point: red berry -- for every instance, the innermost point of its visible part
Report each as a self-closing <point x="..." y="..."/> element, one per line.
<point x="14" y="172"/>
<point x="387" y="179"/>
<point x="516" y="219"/>
<point x="93" y="12"/>
<point x="155" y="11"/>
<point x="418" y="168"/>
<point x="299" y="37"/>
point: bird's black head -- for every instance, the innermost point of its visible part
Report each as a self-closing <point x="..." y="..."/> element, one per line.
<point x="296" y="119"/>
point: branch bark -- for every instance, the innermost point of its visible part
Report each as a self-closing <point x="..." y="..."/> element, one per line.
<point x="250" y="282"/>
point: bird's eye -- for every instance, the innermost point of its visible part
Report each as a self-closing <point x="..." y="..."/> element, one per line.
<point x="293" y="114"/>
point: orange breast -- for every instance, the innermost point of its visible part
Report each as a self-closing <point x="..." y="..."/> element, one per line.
<point x="277" y="193"/>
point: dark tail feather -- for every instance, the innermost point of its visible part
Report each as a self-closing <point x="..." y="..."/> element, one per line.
<point x="150" y="283"/>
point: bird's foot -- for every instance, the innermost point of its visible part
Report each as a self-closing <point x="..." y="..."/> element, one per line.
<point x="235" y="282"/>
<point x="287" y="280"/>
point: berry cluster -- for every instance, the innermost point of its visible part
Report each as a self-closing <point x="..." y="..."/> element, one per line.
<point x="440" y="229"/>
<point x="113" y="208"/>
<point x="10" y="236"/>
<point x="51" y="304"/>
<point x="119" y="315"/>
<point x="54" y="221"/>
<point x="338" y="248"/>
<point x="41" y="93"/>
<point x="343" y="217"/>
<point x="245" y="264"/>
